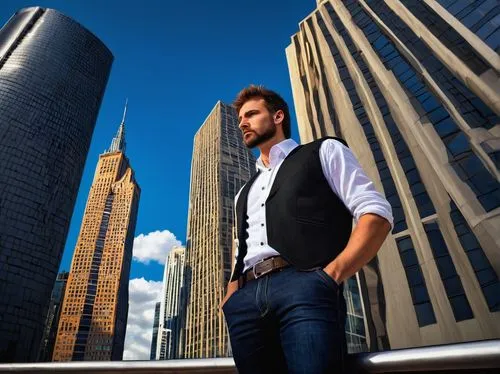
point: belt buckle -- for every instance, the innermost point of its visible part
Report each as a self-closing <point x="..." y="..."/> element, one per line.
<point x="266" y="271"/>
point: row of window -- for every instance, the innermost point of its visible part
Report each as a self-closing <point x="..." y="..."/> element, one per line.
<point x="481" y="16"/>
<point x="482" y="183"/>
<point x="471" y="107"/>
<point x="485" y="274"/>
<point x="451" y="280"/>
<point x="383" y="169"/>
<point x="422" y="199"/>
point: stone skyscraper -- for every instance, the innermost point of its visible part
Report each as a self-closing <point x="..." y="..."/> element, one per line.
<point x="221" y="164"/>
<point x="414" y="88"/>
<point x="169" y="326"/>
<point x="95" y="307"/>
<point x="53" y="73"/>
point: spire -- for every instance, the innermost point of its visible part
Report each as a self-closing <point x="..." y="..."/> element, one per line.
<point x="118" y="143"/>
<point x="125" y="111"/>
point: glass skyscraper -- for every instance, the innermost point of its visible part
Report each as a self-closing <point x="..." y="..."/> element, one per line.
<point x="53" y="73"/>
<point x="50" y="331"/>
<point x="169" y="325"/>
<point x="156" y="322"/>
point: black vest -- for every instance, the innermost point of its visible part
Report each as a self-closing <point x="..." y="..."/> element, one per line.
<point x="307" y="223"/>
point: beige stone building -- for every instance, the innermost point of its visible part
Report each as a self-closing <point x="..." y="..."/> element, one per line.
<point x="221" y="164"/>
<point x="95" y="307"/>
<point x="414" y="88"/>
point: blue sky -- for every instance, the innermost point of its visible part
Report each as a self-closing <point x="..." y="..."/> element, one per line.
<point x="174" y="60"/>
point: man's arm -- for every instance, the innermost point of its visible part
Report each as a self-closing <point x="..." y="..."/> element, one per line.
<point x="369" y="208"/>
<point x="364" y="243"/>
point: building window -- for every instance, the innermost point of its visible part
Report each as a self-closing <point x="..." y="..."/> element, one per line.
<point x="416" y="282"/>
<point x="383" y="169"/>
<point x="485" y="274"/>
<point x="446" y="267"/>
<point x="456" y="143"/>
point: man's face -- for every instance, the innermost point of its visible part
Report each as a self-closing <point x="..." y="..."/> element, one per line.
<point x="256" y="123"/>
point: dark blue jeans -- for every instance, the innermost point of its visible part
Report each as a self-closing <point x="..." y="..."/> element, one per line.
<point x="288" y="322"/>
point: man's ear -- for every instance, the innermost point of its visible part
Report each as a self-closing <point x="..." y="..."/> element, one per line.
<point x="279" y="116"/>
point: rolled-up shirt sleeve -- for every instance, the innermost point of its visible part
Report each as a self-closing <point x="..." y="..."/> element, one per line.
<point x="348" y="180"/>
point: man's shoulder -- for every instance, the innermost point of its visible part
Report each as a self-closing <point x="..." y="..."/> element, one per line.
<point x="332" y="139"/>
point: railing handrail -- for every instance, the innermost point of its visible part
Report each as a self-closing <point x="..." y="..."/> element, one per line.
<point x="461" y="356"/>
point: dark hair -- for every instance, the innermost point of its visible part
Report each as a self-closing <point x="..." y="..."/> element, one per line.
<point x="274" y="102"/>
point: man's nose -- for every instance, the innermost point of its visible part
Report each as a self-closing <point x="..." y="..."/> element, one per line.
<point x="243" y="125"/>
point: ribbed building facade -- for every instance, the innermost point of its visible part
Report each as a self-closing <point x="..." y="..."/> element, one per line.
<point x="53" y="73"/>
<point x="169" y="327"/>
<point x="413" y="87"/>
<point x="221" y="164"/>
<point x="95" y="307"/>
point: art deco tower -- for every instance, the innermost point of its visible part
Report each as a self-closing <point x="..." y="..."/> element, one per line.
<point x="414" y="88"/>
<point x="221" y="164"/>
<point x="94" y="311"/>
<point x="53" y="73"/>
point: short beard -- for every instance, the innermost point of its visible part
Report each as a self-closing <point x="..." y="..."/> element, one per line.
<point x="259" y="139"/>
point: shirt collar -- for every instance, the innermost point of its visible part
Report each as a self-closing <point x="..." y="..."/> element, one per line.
<point x="277" y="154"/>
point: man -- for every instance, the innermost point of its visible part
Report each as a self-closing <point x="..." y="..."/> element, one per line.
<point x="284" y="305"/>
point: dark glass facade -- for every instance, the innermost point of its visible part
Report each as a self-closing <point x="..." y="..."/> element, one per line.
<point x="485" y="274"/>
<point x="53" y="74"/>
<point x="416" y="281"/>
<point x="451" y="280"/>
<point x="156" y="322"/>
<point x="50" y="331"/>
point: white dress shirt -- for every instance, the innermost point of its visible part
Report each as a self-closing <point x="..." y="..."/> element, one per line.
<point x="344" y="175"/>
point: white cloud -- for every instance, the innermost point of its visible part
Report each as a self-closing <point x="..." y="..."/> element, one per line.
<point x="143" y="296"/>
<point x="154" y="246"/>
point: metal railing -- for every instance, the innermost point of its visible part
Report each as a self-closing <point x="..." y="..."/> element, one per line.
<point x="477" y="357"/>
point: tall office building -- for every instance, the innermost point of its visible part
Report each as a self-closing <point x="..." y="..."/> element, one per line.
<point x="52" y="321"/>
<point x="169" y="328"/>
<point x="156" y="323"/>
<point x="53" y="73"/>
<point x="221" y="164"/>
<point x="95" y="307"/>
<point x="413" y="87"/>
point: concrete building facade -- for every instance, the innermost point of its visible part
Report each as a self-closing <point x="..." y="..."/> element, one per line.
<point x="414" y="89"/>
<point x="95" y="307"/>
<point x="221" y="164"/>
<point x="53" y="73"/>
<point x="169" y="327"/>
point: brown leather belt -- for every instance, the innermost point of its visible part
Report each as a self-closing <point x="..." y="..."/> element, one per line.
<point x="263" y="267"/>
